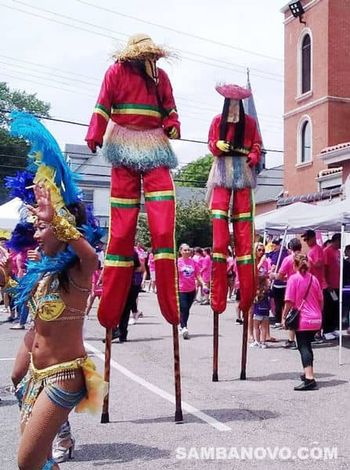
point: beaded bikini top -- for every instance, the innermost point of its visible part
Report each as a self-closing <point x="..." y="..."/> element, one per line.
<point x="47" y="304"/>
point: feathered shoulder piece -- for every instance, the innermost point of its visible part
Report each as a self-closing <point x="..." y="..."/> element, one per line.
<point x="46" y="160"/>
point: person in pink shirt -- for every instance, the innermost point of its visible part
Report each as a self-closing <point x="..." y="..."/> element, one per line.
<point x="304" y="292"/>
<point x="205" y="273"/>
<point x="188" y="272"/>
<point x="198" y="258"/>
<point x="331" y="292"/>
<point x="286" y="270"/>
<point x="152" y="272"/>
<point x="315" y="257"/>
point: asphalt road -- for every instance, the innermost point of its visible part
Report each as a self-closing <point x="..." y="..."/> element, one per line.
<point x="260" y="423"/>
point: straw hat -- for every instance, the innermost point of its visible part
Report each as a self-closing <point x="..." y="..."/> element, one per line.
<point x="141" y="47"/>
<point x="233" y="92"/>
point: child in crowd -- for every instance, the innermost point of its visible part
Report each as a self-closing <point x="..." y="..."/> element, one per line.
<point x="261" y="309"/>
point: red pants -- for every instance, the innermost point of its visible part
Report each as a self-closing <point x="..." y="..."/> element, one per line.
<point x="243" y="231"/>
<point x="159" y="194"/>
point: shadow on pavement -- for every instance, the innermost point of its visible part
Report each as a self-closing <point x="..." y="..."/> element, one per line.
<point x="223" y="415"/>
<point x="102" y="454"/>
<point x="10" y="402"/>
<point x="130" y="340"/>
<point x="331" y="383"/>
<point x="199" y="335"/>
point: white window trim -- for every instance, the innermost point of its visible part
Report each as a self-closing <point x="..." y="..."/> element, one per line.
<point x="303" y="119"/>
<point x="300" y="95"/>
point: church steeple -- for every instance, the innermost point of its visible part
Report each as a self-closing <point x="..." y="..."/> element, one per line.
<point x="249" y="108"/>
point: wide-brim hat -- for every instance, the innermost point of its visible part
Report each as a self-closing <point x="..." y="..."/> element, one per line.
<point x="141" y="47"/>
<point x="233" y="92"/>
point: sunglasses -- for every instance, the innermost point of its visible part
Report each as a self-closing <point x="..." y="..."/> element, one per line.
<point x="261" y="249"/>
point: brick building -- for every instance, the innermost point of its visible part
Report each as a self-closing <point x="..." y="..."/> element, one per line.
<point x="316" y="100"/>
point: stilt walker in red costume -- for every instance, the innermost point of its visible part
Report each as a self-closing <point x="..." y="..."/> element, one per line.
<point x="134" y="118"/>
<point x="235" y="142"/>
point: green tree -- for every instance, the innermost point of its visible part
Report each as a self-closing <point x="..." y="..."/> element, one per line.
<point x="13" y="151"/>
<point x="192" y="225"/>
<point x="195" y="173"/>
<point x="143" y="235"/>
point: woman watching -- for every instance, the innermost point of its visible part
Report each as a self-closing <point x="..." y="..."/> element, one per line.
<point x="304" y="292"/>
<point x="188" y="274"/>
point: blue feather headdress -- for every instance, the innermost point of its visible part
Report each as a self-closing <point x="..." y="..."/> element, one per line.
<point x="22" y="237"/>
<point x="46" y="160"/>
<point x="48" y="167"/>
<point x="21" y="186"/>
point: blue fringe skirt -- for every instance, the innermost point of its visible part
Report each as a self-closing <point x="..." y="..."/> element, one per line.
<point x="230" y="172"/>
<point x="140" y="150"/>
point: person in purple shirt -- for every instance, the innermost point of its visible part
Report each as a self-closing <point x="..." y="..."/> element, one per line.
<point x="279" y="286"/>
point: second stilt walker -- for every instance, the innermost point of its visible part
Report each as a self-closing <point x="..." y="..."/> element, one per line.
<point x="235" y="142"/>
<point x="137" y="104"/>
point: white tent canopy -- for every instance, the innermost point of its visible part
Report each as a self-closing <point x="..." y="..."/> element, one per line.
<point x="279" y="220"/>
<point x="298" y="217"/>
<point x="9" y="214"/>
<point x="327" y="218"/>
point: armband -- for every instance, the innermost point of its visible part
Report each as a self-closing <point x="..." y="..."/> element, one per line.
<point x="64" y="230"/>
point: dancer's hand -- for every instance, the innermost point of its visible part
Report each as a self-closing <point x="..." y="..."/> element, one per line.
<point x="223" y="145"/>
<point x="44" y="210"/>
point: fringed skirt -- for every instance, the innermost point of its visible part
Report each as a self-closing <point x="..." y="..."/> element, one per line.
<point x="140" y="150"/>
<point x="230" y="172"/>
<point x="90" y="398"/>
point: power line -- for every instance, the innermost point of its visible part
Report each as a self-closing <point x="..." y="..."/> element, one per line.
<point x="65" y="121"/>
<point x="69" y="72"/>
<point x="217" y="65"/>
<point x="89" y="165"/>
<point x="183" y="33"/>
<point x="123" y="34"/>
<point x="38" y="74"/>
<point x="43" y="72"/>
<point x="78" y="90"/>
<point x="43" y="84"/>
<point x="199" y="104"/>
<point x="36" y="15"/>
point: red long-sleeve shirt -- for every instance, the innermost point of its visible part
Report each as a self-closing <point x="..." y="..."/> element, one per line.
<point x="125" y="99"/>
<point x="251" y="142"/>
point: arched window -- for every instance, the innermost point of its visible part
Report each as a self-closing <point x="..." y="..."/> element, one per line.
<point x="306" y="64"/>
<point x="305" y="150"/>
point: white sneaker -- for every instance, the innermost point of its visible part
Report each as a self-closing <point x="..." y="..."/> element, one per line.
<point x="336" y="333"/>
<point x="263" y="345"/>
<point x="185" y="333"/>
<point x="131" y="321"/>
<point x="255" y="344"/>
<point x="329" y="336"/>
<point x="137" y="315"/>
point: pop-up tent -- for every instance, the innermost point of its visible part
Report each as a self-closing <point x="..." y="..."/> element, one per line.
<point x="298" y="217"/>
<point x="331" y="218"/>
<point x="9" y="214"/>
<point x="279" y="220"/>
<point x="326" y="218"/>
